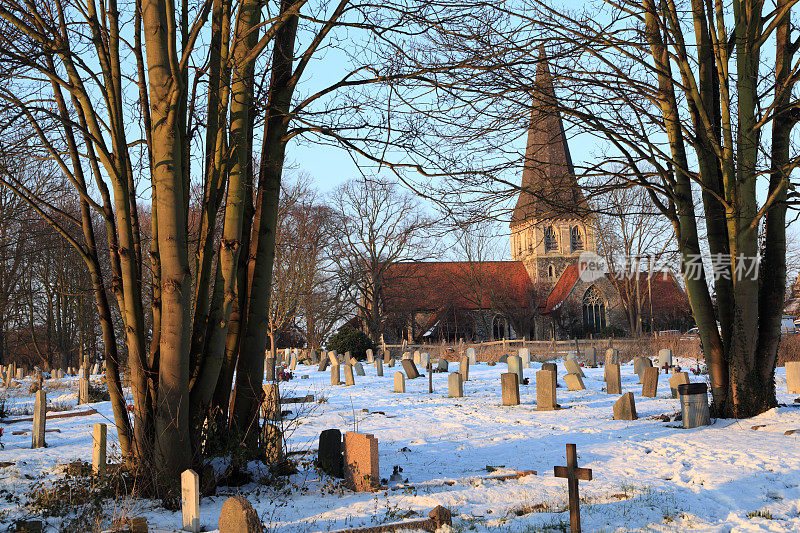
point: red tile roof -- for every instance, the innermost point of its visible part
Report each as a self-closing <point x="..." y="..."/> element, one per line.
<point x="562" y="289"/>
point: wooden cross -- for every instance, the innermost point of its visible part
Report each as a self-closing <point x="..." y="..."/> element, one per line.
<point x="573" y="474"/>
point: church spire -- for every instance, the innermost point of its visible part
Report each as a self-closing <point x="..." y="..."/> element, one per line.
<point x="549" y="187"/>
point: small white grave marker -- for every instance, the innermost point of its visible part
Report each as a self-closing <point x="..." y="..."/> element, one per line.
<point x="190" y="500"/>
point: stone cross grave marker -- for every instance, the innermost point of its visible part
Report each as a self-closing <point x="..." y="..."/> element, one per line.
<point x="99" y="448"/>
<point x="238" y="516"/>
<point x="678" y="378"/>
<point x="410" y="369"/>
<point x="190" y="500"/>
<point x="463" y="368"/>
<point x="514" y="363"/>
<point x="613" y="379"/>
<point x="509" y="385"/>
<point x="399" y="382"/>
<point x="625" y="407"/>
<point x="361" y="469"/>
<point x="39" y="420"/>
<point x="573" y="473"/>
<point x="574" y="382"/>
<point x="793" y="377"/>
<point x="546" y="391"/>
<point x="455" y="385"/>
<point x="650" y="382"/>
<point x="349" y="380"/>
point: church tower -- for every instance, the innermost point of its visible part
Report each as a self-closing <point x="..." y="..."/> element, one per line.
<point x="551" y="224"/>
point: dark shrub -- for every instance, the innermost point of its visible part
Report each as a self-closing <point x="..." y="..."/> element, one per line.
<point x="351" y="340"/>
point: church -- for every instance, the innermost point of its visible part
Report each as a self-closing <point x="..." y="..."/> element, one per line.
<point x="541" y="294"/>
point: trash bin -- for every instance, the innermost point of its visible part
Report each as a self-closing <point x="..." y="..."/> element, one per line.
<point x="694" y="404"/>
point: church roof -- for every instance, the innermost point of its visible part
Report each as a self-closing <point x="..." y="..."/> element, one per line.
<point x="549" y="187"/>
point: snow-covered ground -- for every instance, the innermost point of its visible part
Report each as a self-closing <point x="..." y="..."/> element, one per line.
<point x="648" y="474"/>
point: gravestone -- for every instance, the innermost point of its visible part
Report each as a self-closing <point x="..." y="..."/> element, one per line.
<point x="424" y="359"/>
<point x="514" y="363"/>
<point x="664" y="357"/>
<point x="418" y="358"/>
<point x="329" y="453"/>
<point x="590" y="354"/>
<point x="349" y="380"/>
<point x="332" y="357"/>
<point x="406" y="355"/>
<point x="273" y="443"/>
<point x="39" y="420"/>
<point x="793" y="377"/>
<point x="455" y="385"/>
<point x="644" y="364"/>
<point x="509" y="384"/>
<point x="463" y="368"/>
<point x="546" y="391"/>
<point x="574" y="382"/>
<point x="472" y="357"/>
<point x="293" y="364"/>
<point x="572" y="366"/>
<point x="238" y="516"/>
<point x="323" y="364"/>
<point x="272" y="401"/>
<point x="410" y="369"/>
<point x="59" y="374"/>
<point x="525" y="355"/>
<point x="348" y="358"/>
<point x="190" y="500"/>
<point x="650" y="382"/>
<point x="269" y="369"/>
<point x="83" y="387"/>
<point x="399" y="382"/>
<point x="550" y="367"/>
<point x="503" y="358"/>
<point x="99" y="448"/>
<point x="361" y="469"/>
<point x="95" y="369"/>
<point x="20" y="374"/>
<point x="336" y="378"/>
<point x="379" y="367"/>
<point x="359" y="368"/>
<point x="370" y="356"/>
<point x="442" y="365"/>
<point x="612" y="358"/>
<point x="625" y="407"/>
<point x="387" y="356"/>
<point x="613" y="379"/>
<point x="678" y="378"/>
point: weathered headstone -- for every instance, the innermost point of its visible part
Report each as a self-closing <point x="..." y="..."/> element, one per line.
<point x="190" y="500"/>
<point x="418" y="358"/>
<point x="613" y="379"/>
<point x="293" y="364"/>
<point x="39" y="420"/>
<point x="269" y="369"/>
<point x="238" y="516"/>
<point x="472" y="357"/>
<point x="272" y="401"/>
<point x="463" y="368"/>
<point x="83" y="387"/>
<point x="99" y="448"/>
<point x="650" y="382"/>
<point x="793" y="377"/>
<point x="514" y="363"/>
<point x="612" y="358"/>
<point x="361" y="469"/>
<point x="349" y="380"/>
<point x="644" y="364"/>
<point x="525" y="355"/>
<point x="572" y="366"/>
<point x="348" y="357"/>
<point x="424" y="359"/>
<point x="455" y="385"/>
<point x="20" y="374"/>
<point x="678" y="378"/>
<point x="590" y="355"/>
<point x="574" y="382"/>
<point x="379" y="367"/>
<point x="370" y="356"/>
<point x="359" y="369"/>
<point x="442" y="365"/>
<point x="273" y="443"/>
<point x="625" y="407"/>
<point x="399" y="382"/>
<point x="387" y="356"/>
<point x="509" y="384"/>
<point x="550" y="367"/>
<point x="664" y="357"/>
<point x="332" y="357"/>
<point x="336" y="378"/>
<point x="410" y="369"/>
<point x="329" y="454"/>
<point x="546" y="390"/>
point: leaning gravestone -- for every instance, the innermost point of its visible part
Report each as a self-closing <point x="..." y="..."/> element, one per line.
<point x="399" y="382"/>
<point x="525" y="355"/>
<point x="455" y="385"/>
<point x="574" y="382"/>
<point x="472" y="357"/>
<point x="613" y="379"/>
<point x="644" y="364"/>
<point x="410" y="369"/>
<point x="332" y="357"/>
<point x="678" y="378"/>
<point x="329" y="453"/>
<point x="793" y="377"/>
<point x="463" y="368"/>
<point x="359" y="368"/>
<point x="442" y="365"/>
<point x="509" y="385"/>
<point x="349" y="380"/>
<point x="238" y="516"/>
<point x="515" y="365"/>
<point x="361" y="469"/>
<point x="546" y="391"/>
<point x="625" y="407"/>
<point x="650" y="382"/>
<point x="664" y="357"/>
<point x="323" y="364"/>
<point x="572" y="366"/>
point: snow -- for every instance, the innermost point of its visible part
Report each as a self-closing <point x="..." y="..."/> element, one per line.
<point x="647" y="474"/>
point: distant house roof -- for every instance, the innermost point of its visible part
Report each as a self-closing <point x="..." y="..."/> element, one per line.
<point x="471" y="286"/>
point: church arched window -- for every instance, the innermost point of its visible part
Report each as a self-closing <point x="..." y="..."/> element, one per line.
<point x="594" y="310"/>
<point x="576" y="239"/>
<point x="550" y="243"/>
<point x="551" y="271"/>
